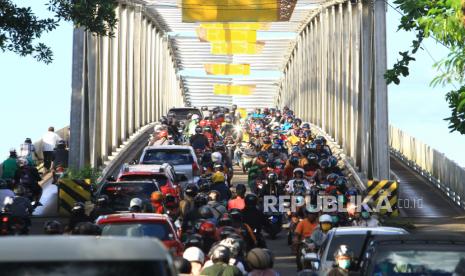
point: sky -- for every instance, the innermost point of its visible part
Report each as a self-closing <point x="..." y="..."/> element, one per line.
<point x="36" y="95"/>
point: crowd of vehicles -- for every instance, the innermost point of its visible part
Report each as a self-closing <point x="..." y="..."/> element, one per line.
<point x="180" y="191"/>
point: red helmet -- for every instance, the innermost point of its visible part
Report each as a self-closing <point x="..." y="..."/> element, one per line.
<point x="163" y="133"/>
<point x="203" y="123"/>
<point x="207" y="228"/>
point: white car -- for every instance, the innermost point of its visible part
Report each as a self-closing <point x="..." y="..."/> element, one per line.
<point x="182" y="158"/>
<point x="84" y="255"/>
<point x="354" y="237"/>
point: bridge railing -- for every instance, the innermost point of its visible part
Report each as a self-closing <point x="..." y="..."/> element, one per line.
<point x="120" y="83"/>
<point x="430" y="163"/>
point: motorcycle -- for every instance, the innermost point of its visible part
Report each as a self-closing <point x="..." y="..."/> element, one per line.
<point x="306" y="247"/>
<point x="13" y="225"/>
<point x="275" y="224"/>
<point x="247" y="156"/>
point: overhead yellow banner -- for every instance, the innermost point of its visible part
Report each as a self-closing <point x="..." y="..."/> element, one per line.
<point x="213" y="35"/>
<point x="227" y="69"/>
<point x="233" y="90"/>
<point x="236" y="48"/>
<point x="237" y="26"/>
<point x="237" y="10"/>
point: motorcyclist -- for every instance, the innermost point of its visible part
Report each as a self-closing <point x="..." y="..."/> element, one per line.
<point x="29" y="177"/>
<point x="78" y="214"/>
<point x="199" y="140"/>
<point x="136" y="205"/>
<point x="60" y="158"/>
<point x="298" y="182"/>
<point x="219" y="185"/>
<point x="187" y="204"/>
<point x="19" y="207"/>
<point x="161" y="138"/>
<point x="320" y="233"/>
<point x="156" y="199"/>
<point x="28" y="151"/>
<point x="365" y="219"/>
<point x="291" y="164"/>
<point x="304" y="230"/>
<point x="260" y="262"/>
<point x="214" y="203"/>
<point x="238" y="202"/>
<point x="343" y="260"/>
<point x="220" y="256"/>
<point x="10" y="166"/>
<point x="191" y="127"/>
<point x="227" y="128"/>
<point x="101" y="207"/>
<point x="5" y="191"/>
<point x="255" y="218"/>
<point x="243" y="229"/>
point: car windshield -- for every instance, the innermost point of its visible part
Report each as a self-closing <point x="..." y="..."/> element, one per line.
<point x="154" y="230"/>
<point x="353" y="242"/>
<point x="171" y="156"/>
<point x="120" y="194"/>
<point x="419" y="261"/>
<point x="161" y="179"/>
<point x="181" y="113"/>
<point x="97" y="268"/>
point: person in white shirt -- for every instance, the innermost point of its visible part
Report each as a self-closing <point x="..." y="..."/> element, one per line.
<point x="298" y="183"/>
<point x="49" y="141"/>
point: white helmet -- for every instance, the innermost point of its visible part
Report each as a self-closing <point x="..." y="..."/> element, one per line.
<point x="325" y="218"/>
<point x="194" y="254"/>
<point x="135" y="202"/>
<point x="195" y="117"/>
<point x="233" y="246"/>
<point x="216" y="157"/>
<point x="298" y="170"/>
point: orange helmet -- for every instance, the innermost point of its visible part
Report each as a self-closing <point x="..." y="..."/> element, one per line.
<point x="203" y="123"/>
<point x="156" y="196"/>
<point x="207" y="228"/>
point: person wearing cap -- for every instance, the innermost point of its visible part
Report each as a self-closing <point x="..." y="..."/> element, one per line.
<point x="196" y="257"/>
<point x="49" y="142"/>
<point x="135" y="206"/>
<point x="10" y="166"/>
<point x="27" y="149"/>
<point x="343" y="261"/>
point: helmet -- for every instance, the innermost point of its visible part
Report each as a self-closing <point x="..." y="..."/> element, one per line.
<point x="225" y="220"/>
<point x="194" y="254"/>
<point x="200" y="200"/>
<point x="342" y="251"/>
<point x="220" y="253"/>
<point x="331" y="178"/>
<point x="194" y="240"/>
<point x="260" y="259"/>
<point x="325" y="218"/>
<point x="276" y="147"/>
<point x="233" y="245"/>
<point x="22" y="162"/>
<point x="202" y="123"/>
<point x="102" y="200"/>
<point x="251" y="200"/>
<point x="53" y="227"/>
<point x="267" y="140"/>
<point x="198" y="129"/>
<point x="135" y="202"/>
<point x="312" y="158"/>
<point x="207" y="228"/>
<point x="156" y="196"/>
<point x="324" y="164"/>
<point x="195" y="117"/>
<point x="305" y="125"/>
<point x="217" y="157"/>
<point x="352" y="191"/>
<point x="219" y="145"/>
<point x="163" y="120"/>
<point x="12" y="151"/>
<point x="318" y="141"/>
<point x="61" y="143"/>
<point x="234" y="107"/>
<point x="294" y="161"/>
<point x="163" y="133"/>
<point x="298" y="170"/>
<point x="272" y="177"/>
<point x="78" y="207"/>
<point x="332" y="161"/>
<point x="296" y="150"/>
<point x="240" y="189"/>
<point x="205" y="212"/>
<point x="340" y="181"/>
<point x="214" y="195"/>
<point x="263" y="154"/>
<point x="170" y="201"/>
<point x="28" y="140"/>
<point x="298" y="121"/>
<point x="191" y="190"/>
<point x="20" y="190"/>
<point x="218" y="177"/>
<point x="236" y="214"/>
<point x="171" y="115"/>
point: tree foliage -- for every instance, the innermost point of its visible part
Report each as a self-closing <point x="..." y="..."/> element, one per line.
<point x="444" y="21"/>
<point x="20" y="27"/>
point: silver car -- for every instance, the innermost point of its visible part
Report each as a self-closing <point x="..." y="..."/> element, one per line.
<point x="353" y="237"/>
<point x="84" y="255"/>
<point x="182" y="158"/>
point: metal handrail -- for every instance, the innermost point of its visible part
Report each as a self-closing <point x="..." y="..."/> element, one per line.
<point x="433" y="165"/>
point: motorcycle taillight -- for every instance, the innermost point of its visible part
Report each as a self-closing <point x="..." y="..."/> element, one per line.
<point x="5" y="219"/>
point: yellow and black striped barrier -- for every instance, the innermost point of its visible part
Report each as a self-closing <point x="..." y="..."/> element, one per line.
<point x="71" y="191"/>
<point x="383" y="196"/>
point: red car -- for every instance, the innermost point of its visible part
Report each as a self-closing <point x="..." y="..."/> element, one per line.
<point x="142" y="225"/>
<point x="164" y="175"/>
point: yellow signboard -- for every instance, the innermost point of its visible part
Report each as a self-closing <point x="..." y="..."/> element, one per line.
<point x="227" y="69"/>
<point x="237" y="26"/>
<point x="227" y="35"/>
<point x="236" y="48"/>
<point x="233" y="90"/>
